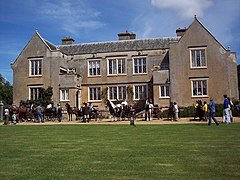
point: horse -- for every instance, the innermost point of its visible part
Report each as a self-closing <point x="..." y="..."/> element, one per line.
<point x="114" y="110"/>
<point x="120" y="110"/>
<point x="69" y="111"/>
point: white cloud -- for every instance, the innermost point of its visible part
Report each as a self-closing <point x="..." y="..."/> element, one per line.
<point x="71" y="16"/>
<point x="185" y="8"/>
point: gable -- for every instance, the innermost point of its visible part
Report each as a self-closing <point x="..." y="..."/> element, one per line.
<point x="197" y="34"/>
<point x="36" y="47"/>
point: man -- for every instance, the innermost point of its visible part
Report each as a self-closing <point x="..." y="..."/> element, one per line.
<point x="226" y="105"/>
<point x="39" y="113"/>
<point x="212" y="112"/>
<point x="6" y="115"/>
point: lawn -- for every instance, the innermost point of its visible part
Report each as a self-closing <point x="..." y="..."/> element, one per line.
<point x="181" y="151"/>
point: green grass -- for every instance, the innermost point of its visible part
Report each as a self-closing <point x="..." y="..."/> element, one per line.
<point x="120" y="152"/>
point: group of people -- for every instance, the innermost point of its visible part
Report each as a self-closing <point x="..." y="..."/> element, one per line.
<point x="32" y="112"/>
<point x="207" y="112"/>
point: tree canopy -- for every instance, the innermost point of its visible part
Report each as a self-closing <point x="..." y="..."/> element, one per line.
<point x="6" y="91"/>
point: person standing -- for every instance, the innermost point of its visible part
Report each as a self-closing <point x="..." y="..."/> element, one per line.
<point x="59" y="113"/>
<point x="6" y="116"/>
<point x="212" y="110"/>
<point x="39" y="113"/>
<point x="226" y="105"/>
<point x="176" y="111"/>
<point x="205" y="110"/>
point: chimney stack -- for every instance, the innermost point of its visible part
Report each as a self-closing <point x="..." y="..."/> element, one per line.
<point x="180" y="32"/>
<point x="126" y="36"/>
<point x="67" y="40"/>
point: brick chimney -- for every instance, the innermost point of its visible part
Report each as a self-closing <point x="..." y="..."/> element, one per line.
<point x="126" y="36"/>
<point x="67" y="40"/>
<point x="180" y="31"/>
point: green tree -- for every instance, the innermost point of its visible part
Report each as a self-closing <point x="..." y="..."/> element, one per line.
<point x="6" y="91"/>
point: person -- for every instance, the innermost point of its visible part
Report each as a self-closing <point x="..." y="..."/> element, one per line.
<point x="176" y="111"/>
<point x="124" y="103"/>
<point x="226" y="105"/>
<point x="200" y="110"/>
<point x="49" y="106"/>
<point x="14" y="118"/>
<point x="196" y="109"/>
<point x="59" y="113"/>
<point x="85" y="112"/>
<point x="170" y="111"/>
<point x="230" y="109"/>
<point x="39" y="113"/>
<point x="6" y="116"/>
<point x="90" y="106"/>
<point x="205" y="110"/>
<point x="212" y="110"/>
<point x="148" y="110"/>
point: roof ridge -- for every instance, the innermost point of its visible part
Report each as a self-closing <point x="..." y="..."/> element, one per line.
<point x="119" y="41"/>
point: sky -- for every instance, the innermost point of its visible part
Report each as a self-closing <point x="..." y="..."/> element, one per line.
<point x="101" y="20"/>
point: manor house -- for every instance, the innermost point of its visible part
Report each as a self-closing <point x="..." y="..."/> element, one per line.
<point x="193" y="65"/>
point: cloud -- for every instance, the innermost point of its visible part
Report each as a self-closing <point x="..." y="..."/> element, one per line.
<point x="71" y="16"/>
<point x="185" y="8"/>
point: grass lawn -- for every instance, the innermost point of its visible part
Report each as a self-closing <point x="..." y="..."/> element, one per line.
<point x="181" y="151"/>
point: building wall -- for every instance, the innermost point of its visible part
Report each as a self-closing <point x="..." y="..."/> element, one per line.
<point x="217" y="72"/>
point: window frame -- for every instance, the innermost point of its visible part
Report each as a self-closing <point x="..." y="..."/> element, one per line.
<point x="30" y="92"/>
<point x="146" y="65"/>
<point x="117" y="97"/>
<point x="165" y="91"/>
<point x="98" y="95"/>
<point x="117" y="60"/>
<point x="197" y="80"/>
<point x="134" y="91"/>
<point x="66" y="94"/>
<point x="191" y="57"/>
<point x="94" y="60"/>
<point x="32" y="70"/>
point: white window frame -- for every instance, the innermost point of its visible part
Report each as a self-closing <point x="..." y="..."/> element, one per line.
<point x="97" y="66"/>
<point x="97" y="96"/>
<point x="201" y="65"/>
<point x="164" y="95"/>
<point x="37" y="69"/>
<point x="140" y="65"/>
<point x="134" y="90"/>
<point x="119" y="92"/>
<point x="64" y="94"/>
<point x="118" y="61"/>
<point x="36" y="88"/>
<point x="199" y="87"/>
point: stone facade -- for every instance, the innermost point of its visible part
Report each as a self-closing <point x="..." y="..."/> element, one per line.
<point x="191" y="66"/>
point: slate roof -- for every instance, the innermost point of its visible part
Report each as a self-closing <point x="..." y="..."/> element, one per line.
<point x="117" y="46"/>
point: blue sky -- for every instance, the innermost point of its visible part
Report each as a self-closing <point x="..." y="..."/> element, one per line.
<point x="102" y="20"/>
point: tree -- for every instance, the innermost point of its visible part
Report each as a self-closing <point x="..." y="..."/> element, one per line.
<point x="6" y="91"/>
<point x="45" y="98"/>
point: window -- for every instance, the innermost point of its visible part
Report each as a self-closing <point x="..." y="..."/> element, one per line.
<point x="94" y="93"/>
<point x="116" y="66"/>
<point x="34" y="93"/>
<point x="117" y="93"/>
<point x="94" y="68"/>
<point x="199" y="87"/>
<point x="140" y="92"/>
<point x="64" y="95"/>
<point x="35" y="67"/>
<point x="164" y="91"/>
<point x="198" y="57"/>
<point x="140" y="66"/>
